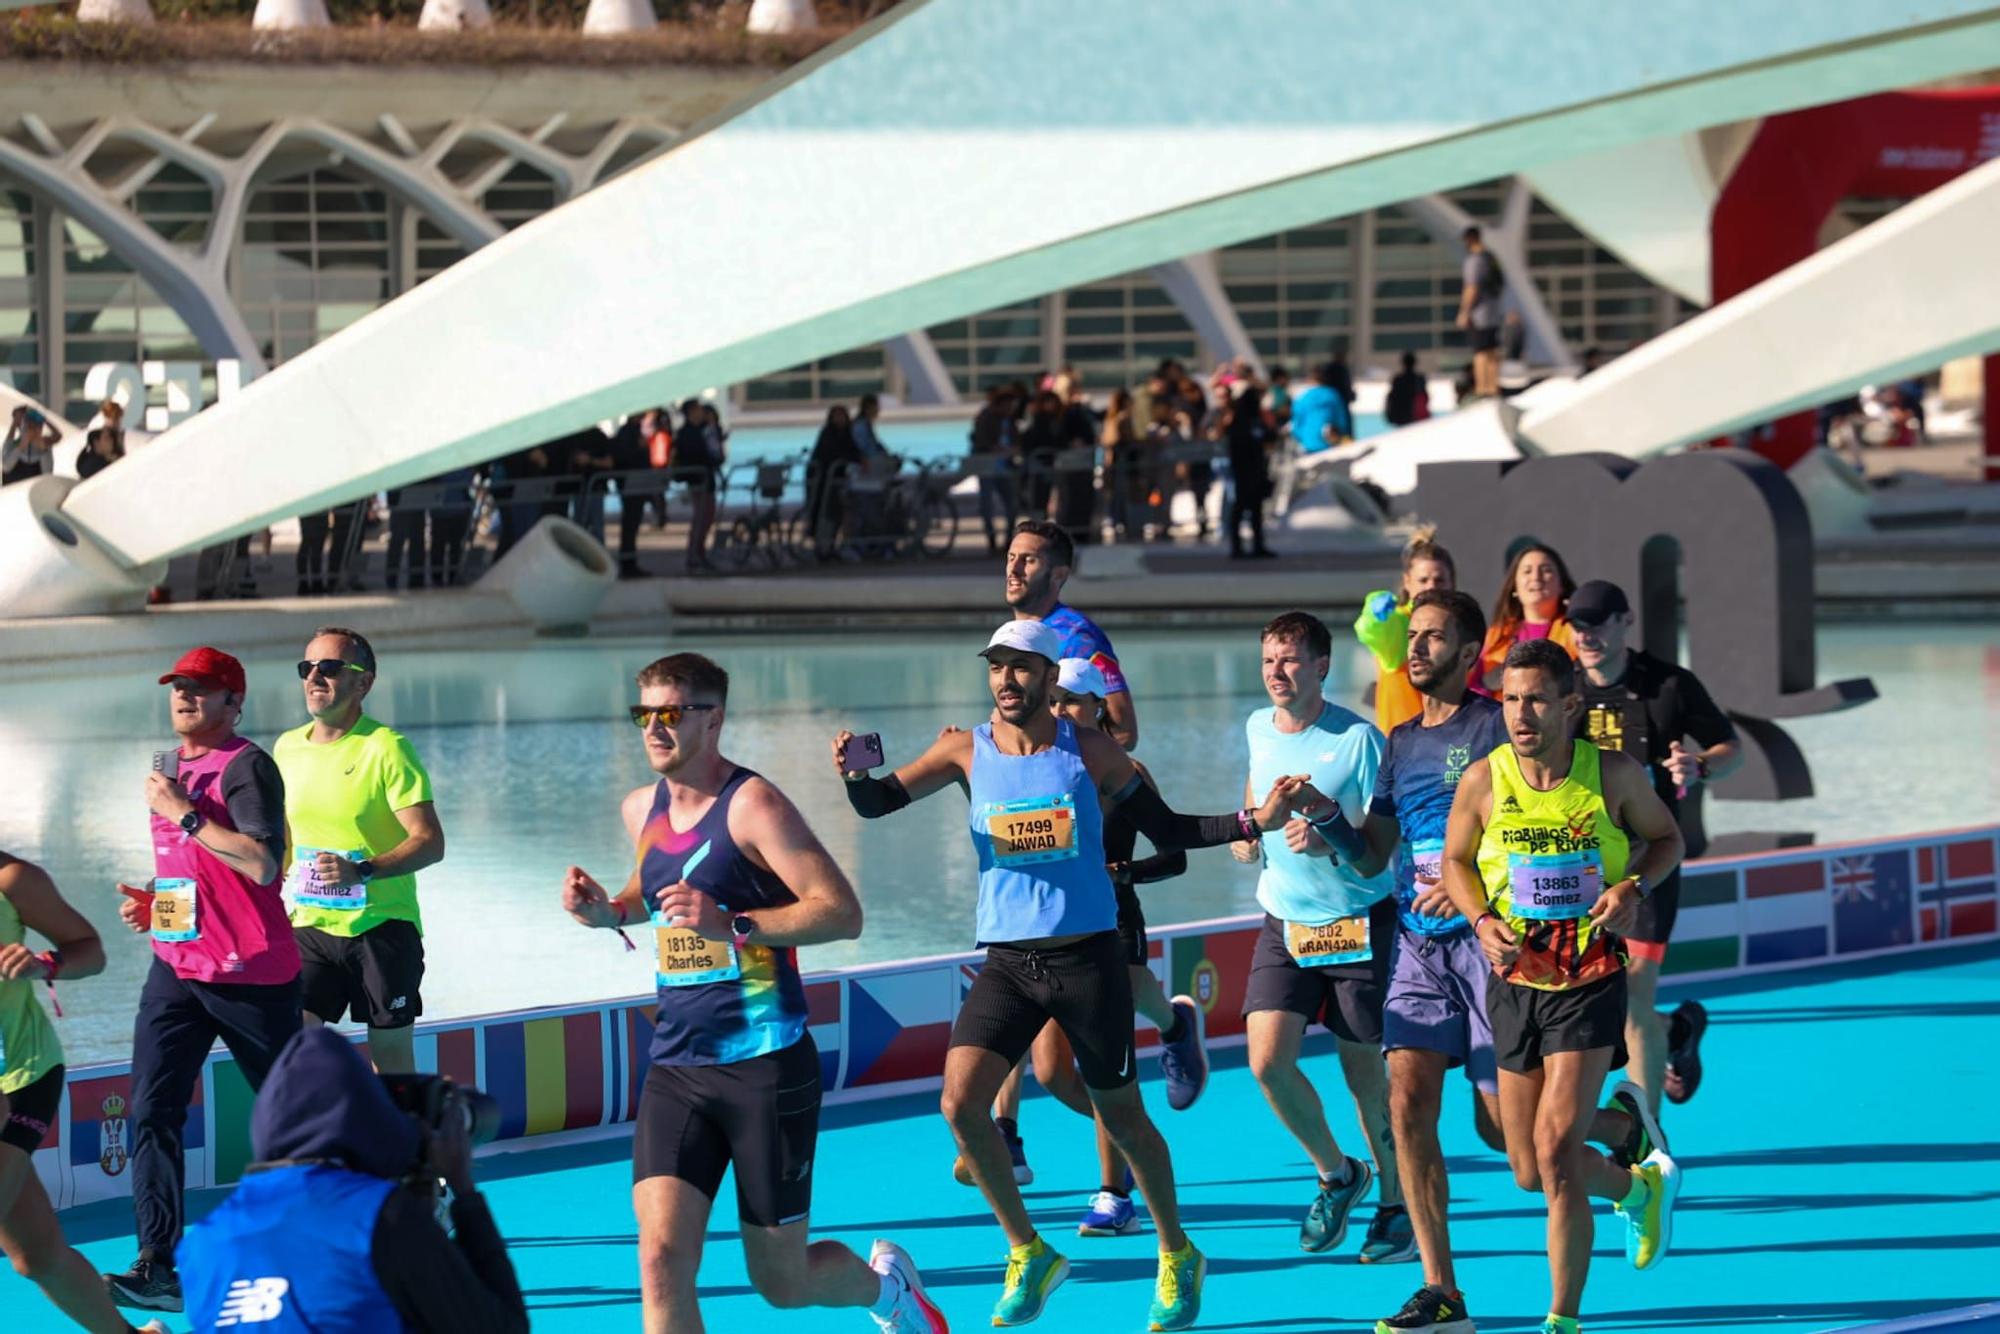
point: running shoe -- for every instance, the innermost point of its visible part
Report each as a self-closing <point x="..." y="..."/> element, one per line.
<point x="913" y="1312"/>
<point x="1033" y="1272"/>
<point x="1645" y="1134"/>
<point x="1392" y="1238"/>
<point x="148" y="1284"/>
<point x="1110" y="1215"/>
<point x="1560" y="1324"/>
<point x="1684" y="1029"/>
<point x="1017" y="1149"/>
<point x="1649" y="1227"/>
<point x="1185" y="1063"/>
<point x="1326" y="1221"/>
<point x="1177" y="1293"/>
<point x="1431" y="1310"/>
<point x="154" y="1327"/>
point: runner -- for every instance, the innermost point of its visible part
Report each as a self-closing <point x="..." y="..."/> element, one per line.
<point x="1323" y="954"/>
<point x="224" y="961"/>
<point x="1536" y="855"/>
<point x="359" y="813"/>
<point x="31" y="1090"/>
<point x="1634" y="702"/>
<point x="1384" y="622"/>
<point x="1079" y="697"/>
<point x="733" y="881"/>
<point x="1040" y="560"/>
<point x="1039" y="789"/>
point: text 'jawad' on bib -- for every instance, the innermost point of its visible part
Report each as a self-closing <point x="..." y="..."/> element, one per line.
<point x="307" y="887"/>
<point x="1343" y="940"/>
<point x="686" y="958"/>
<point x="173" y="911"/>
<point x="1555" y="887"/>
<point x="1037" y="829"/>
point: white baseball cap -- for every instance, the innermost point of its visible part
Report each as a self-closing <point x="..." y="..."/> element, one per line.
<point x="1080" y="676"/>
<point x="1028" y="637"/>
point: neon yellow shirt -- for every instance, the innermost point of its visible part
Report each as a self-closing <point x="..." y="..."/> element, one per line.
<point x="29" y="1047"/>
<point x="342" y="797"/>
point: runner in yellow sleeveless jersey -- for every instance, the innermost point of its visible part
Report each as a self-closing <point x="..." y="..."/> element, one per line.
<point x="1537" y="855"/>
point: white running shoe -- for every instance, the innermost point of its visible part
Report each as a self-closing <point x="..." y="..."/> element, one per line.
<point x="913" y="1312"/>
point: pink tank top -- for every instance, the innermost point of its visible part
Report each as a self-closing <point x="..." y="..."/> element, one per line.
<point x="212" y="923"/>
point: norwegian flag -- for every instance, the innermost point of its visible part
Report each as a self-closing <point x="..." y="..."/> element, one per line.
<point x="1955" y="889"/>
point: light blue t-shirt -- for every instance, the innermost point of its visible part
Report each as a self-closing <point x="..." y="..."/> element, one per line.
<point x="1341" y="751"/>
<point x="1314" y="410"/>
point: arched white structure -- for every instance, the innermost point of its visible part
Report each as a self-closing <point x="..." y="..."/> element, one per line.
<point x="906" y="151"/>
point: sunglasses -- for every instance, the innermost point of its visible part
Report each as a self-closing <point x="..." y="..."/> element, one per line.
<point x="669" y="715"/>
<point x="327" y="667"/>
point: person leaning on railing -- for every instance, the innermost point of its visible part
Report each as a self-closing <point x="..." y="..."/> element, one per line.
<point x="30" y="446"/>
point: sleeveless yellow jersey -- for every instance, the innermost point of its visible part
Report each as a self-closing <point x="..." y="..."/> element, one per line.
<point x="29" y="1048"/>
<point x="1545" y="858"/>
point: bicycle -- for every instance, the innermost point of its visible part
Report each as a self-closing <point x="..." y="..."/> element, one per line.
<point x="761" y="533"/>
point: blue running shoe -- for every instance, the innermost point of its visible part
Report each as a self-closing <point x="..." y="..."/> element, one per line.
<point x="1392" y="1238"/>
<point x="1110" y="1215"/>
<point x="1185" y="1063"/>
<point x="1326" y="1221"/>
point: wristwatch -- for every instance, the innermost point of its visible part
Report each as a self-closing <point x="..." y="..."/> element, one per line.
<point x="1639" y="883"/>
<point x="740" y="927"/>
<point x="191" y="822"/>
<point x="365" y="869"/>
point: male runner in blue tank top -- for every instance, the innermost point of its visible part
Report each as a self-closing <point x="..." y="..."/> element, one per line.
<point x="1047" y="915"/>
<point x="732" y="881"/>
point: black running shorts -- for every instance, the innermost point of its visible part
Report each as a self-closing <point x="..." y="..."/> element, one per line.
<point x="377" y="974"/>
<point x="1131" y="927"/>
<point x="1657" y="912"/>
<point x="761" y="1115"/>
<point x="1347" y="998"/>
<point x="1084" y="986"/>
<point x="1529" y="1023"/>
<point x="31" y="1110"/>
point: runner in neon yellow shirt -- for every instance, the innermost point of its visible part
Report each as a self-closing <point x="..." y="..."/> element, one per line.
<point x="360" y="822"/>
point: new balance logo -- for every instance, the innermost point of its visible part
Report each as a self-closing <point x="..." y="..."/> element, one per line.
<point x="399" y="1002"/>
<point x="252" y="1301"/>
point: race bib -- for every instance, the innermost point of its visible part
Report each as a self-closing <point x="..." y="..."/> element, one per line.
<point x="1427" y="860"/>
<point x="1039" y="829"/>
<point x="307" y="887"/>
<point x="1555" y="887"/>
<point x="1343" y="940"/>
<point x="686" y="958"/>
<point x="173" y="911"/>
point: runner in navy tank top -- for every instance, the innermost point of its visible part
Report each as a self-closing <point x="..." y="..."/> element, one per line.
<point x="731" y="882"/>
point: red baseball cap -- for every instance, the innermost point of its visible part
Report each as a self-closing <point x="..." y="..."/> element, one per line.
<point x="210" y="665"/>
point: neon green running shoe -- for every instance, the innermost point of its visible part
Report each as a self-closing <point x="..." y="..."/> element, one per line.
<point x="1560" y="1324"/>
<point x="1177" y="1294"/>
<point x="1033" y="1272"/>
<point x="1649" y="1226"/>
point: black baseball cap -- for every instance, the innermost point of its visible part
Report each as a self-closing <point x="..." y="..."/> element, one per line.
<point x="1597" y="602"/>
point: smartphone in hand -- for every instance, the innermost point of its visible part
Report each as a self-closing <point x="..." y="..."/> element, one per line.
<point x="168" y="763"/>
<point x="862" y="752"/>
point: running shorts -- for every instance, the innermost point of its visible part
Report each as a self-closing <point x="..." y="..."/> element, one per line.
<point x="1437" y="1002"/>
<point x="1657" y="913"/>
<point x="1131" y="927"/>
<point x="1347" y="998"/>
<point x="1529" y="1023"/>
<point x="1084" y="986"/>
<point x="31" y="1110"/>
<point x="762" y="1115"/>
<point x="377" y="974"/>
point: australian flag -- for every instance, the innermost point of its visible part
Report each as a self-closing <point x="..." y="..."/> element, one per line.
<point x="1871" y="900"/>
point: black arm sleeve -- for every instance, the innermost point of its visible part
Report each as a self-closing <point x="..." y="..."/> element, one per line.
<point x="872" y="797"/>
<point x="446" y="1285"/>
<point x="1159" y="866"/>
<point x="254" y="792"/>
<point x="1165" y="828"/>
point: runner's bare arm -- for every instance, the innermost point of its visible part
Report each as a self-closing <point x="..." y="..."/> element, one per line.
<point x="44" y="911"/>
<point x="588" y="901"/>
<point x="1460" y="866"/>
<point x="775" y="836"/>
<point x="948" y="761"/>
<point x="1121" y="719"/>
<point x="422" y="845"/>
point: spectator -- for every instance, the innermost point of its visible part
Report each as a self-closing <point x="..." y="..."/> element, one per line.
<point x="1320" y="419"/>
<point x="1592" y="359"/>
<point x="103" y="446"/>
<point x="450" y="522"/>
<point x="590" y="456"/>
<point x="1341" y="381"/>
<point x="518" y="516"/>
<point x="1249" y="440"/>
<point x="1409" y="395"/>
<point x="1163" y="436"/>
<point x="1196" y="424"/>
<point x="699" y="452"/>
<point x="333" y="1147"/>
<point x="1077" y="429"/>
<point x="28" y="451"/>
<point x="1121" y="461"/>
<point x="1480" y="285"/>
<point x="406" y="541"/>
<point x="1039" y="443"/>
<point x="1533" y="604"/>
<point x="867" y="444"/>
<point x="1278" y="399"/>
<point x="834" y="455"/>
<point x="992" y="437"/>
<point x="310" y="562"/>
<point x="632" y="451"/>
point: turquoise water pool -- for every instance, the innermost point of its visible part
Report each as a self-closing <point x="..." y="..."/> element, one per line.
<point x="530" y="754"/>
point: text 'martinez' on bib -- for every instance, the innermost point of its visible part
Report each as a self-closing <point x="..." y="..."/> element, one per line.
<point x="307" y="887"/>
<point x="1034" y="829"/>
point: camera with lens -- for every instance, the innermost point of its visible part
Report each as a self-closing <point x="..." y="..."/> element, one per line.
<point x="436" y="1102"/>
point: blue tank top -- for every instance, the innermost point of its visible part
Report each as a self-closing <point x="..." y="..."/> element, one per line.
<point x="289" y="1252"/>
<point x="1414" y="787"/>
<point x="717" y="1004"/>
<point x="1039" y="833"/>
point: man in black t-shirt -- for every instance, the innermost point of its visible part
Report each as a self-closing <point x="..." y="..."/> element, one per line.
<point x="1649" y="709"/>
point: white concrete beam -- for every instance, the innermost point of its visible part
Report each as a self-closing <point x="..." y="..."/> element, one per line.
<point x="1195" y="284"/>
<point x="928" y="378"/>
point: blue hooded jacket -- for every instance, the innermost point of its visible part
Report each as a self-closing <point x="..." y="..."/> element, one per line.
<point x="289" y="1250"/>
